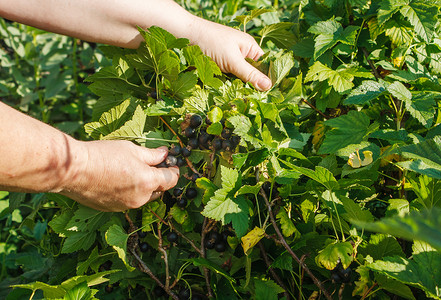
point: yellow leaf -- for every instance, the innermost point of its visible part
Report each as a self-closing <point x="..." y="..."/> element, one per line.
<point x="367" y="158"/>
<point x="356" y="162"/>
<point x="251" y="239"/>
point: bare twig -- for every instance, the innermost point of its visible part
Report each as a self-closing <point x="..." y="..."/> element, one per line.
<point x="271" y="270"/>
<point x="317" y="282"/>
<point x="164" y="257"/>
<point x="189" y="163"/>
<point x="144" y="268"/>
<point x="173" y="228"/>
<point x="368" y="291"/>
<point x="206" y="272"/>
<point x="316" y="109"/>
<point x="371" y="64"/>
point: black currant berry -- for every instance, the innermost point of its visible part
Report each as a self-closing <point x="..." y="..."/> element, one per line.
<point x="191" y="193"/>
<point x="106" y="266"/>
<point x="186" y="152"/>
<point x="226" y="133"/>
<point x="142" y="234"/>
<point x="194" y="177"/>
<point x="177" y="192"/>
<point x="226" y="145"/>
<point x="158" y="291"/>
<point x="172" y="237"/>
<point x="163" y="164"/>
<point x="182" y="203"/>
<point x="195" y="121"/>
<point x="214" y="235"/>
<point x="203" y="139"/>
<point x="180" y="162"/>
<point x="193" y="143"/>
<point x="154" y="95"/>
<point x="235" y="139"/>
<point x="220" y="247"/>
<point x="171" y="161"/>
<point x="225" y="234"/>
<point x="345" y="275"/>
<point x="217" y="144"/>
<point x="184" y="294"/>
<point x="189" y="132"/>
<point x="144" y="247"/>
<point x="175" y="150"/>
<point x="208" y="121"/>
<point x="335" y="278"/>
<point x="109" y="288"/>
<point x="209" y="244"/>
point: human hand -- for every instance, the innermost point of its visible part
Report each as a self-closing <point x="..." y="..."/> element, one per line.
<point x="229" y="47"/>
<point x="117" y="175"/>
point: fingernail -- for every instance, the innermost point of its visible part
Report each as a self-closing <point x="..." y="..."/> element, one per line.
<point x="264" y="83"/>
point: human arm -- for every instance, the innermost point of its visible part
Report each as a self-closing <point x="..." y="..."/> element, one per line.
<point x="105" y="175"/>
<point x="114" y="22"/>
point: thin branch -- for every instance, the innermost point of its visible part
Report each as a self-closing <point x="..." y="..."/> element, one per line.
<point x="173" y="228"/>
<point x="206" y="272"/>
<point x="371" y="64"/>
<point x="189" y="163"/>
<point x="144" y="268"/>
<point x="316" y="109"/>
<point x="368" y="291"/>
<point x="271" y="270"/>
<point x="317" y="282"/>
<point x="165" y="258"/>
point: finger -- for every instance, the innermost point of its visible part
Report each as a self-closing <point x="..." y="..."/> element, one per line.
<point x="153" y="157"/>
<point x="248" y="73"/>
<point x="166" y="178"/>
<point x="155" y="195"/>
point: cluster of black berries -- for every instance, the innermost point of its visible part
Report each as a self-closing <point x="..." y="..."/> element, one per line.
<point x="217" y="241"/>
<point x="341" y="275"/>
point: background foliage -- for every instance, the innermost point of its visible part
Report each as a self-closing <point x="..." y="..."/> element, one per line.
<point x="332" y="192"/>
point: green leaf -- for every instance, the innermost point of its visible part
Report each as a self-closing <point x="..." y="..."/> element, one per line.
<point x="426" y="157"/>
<point x="132" y="129"/>
<point x="79" y="292"/>
<point x="422" y="16"/>
<point x="49" y="291"/>
<point x="213" y="267"/>
<point x="354" y="211"/>
<point x="329" y="33"/>
<point x="239" y="220"/>
<point x="59" y="222"/>
<point x="78" y="240"/>
<point x="398" y="90"/>
<point x="208" y="186"/>
<point x="347" y="129"/>
<point x="321" y="175"/>
<point x="287" y="226"/>
<point x="280" y="67"/>
<point x="333" y="253"/>
<point x="422" y="271"/>
<point x="243" y="128"/>
<point x="267" y="289"/>
<point x="428" y="191"/>
<point x="380" y="246"/>
<point x="249" y="189"/>
<point x="399" y="32"/>
<point x="215" y="115"/>
<point x="180" y="215"/>
<point x="422" y="107"/>
<point x="367" y="91"/>
<point x="340" y="79"/>
<point x="417" y="225"/>
<point x="394" y="287"/>
<point x="117" y="238"/>
<point x="87" y="219"/>
<point x="279" y="34"/>
<point x="245" y="18"/>
<point x="182" y="86"/>
<point x="109" y="121"/>
<point x="215" y="128"/>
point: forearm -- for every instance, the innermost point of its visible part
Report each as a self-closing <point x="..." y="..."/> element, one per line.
<point x="34" y="157"/>
<point x="104" y="21"/>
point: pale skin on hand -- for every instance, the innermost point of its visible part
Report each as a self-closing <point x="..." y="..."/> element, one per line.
<point x="106" y="175"/>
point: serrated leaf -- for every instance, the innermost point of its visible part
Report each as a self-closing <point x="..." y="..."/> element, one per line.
<point x="341" y="79"/>
<point x="117" y="238"/>
<point x="78" y="241"/>
<point x="215" y="115"/>
<point x="321" y="175"/>
<point x="354" y="211"/>
<point x="148" y="218"/>
<point x="428" y="191"/>
<point x="422" y="271"/>
<point x="180" y="215"/>
<point x="287" y="226"/>
<point x="215" y="128"/>
<point x="132" y="129"/>
<point x="398" y="90"/>
<point x="279" y="34"/>
<point x="79" y="292"/>
<point x="245" y="18"/>
<point x="422" y="107"/>
<point x="280" y="67"/>
<point x="267" y="289"/>
<point x="239" y="220"/>
<point x="422" y="17"/>
<point x="367" y="91"/>
<point x="347" y="129"/>
<point x="182" y="86"/>
<point x="59" y="222"/>
<point x="417" y="225"/>
<point x="398" y="31"/>
<point x="49" y="291"/>
<point x="426" y="157"/>
<point x="249" y="189"/>
<point x="380" y="246"/>
<point x="335" y="252"/>
<point x="243" y="128"/>
<point x="251" y="239"/>
<point x="87" y="219"/>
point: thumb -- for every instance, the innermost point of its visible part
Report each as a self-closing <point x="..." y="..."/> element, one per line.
<point x="248" y="73"/>
<point x="153" y="157"/>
